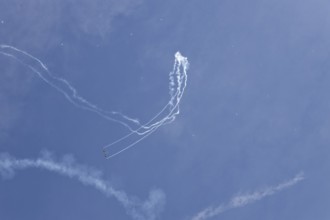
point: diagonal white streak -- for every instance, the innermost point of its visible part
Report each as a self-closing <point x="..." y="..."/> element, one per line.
<point x="63" y="86"/>
<point x="138" y="210"/>
<point x="245" y="199"/>
<point x="177" y="85"/>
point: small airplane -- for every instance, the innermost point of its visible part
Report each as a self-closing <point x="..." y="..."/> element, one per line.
<point x="105" y="153"/>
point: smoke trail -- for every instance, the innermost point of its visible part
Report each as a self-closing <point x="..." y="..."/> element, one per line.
<point x="63" y="86"/>
<point x="177" y="85"/>
<point x="138" y="210"/>
<point x="138" y="131"/>
<point x="245" y="199"/>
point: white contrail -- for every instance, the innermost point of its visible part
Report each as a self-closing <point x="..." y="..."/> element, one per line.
<point x="63" y="86"/>
<point x="177" y="85"/>
<point x="245" y="199"/>
<point x="138" y="210"/>
<point x="138" y="131"/>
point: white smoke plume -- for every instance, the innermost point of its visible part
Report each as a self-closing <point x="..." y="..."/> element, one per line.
<point x="137" y="209"/>
<point x="137" y="131"/>
<point x="245" y="199"/>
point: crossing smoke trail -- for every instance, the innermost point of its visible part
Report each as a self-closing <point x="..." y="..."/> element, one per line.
<point x="137" y="209"/>
<point x="137" y="131"/>
<point x="245" y="199"/>
<point x="177" y="85"/>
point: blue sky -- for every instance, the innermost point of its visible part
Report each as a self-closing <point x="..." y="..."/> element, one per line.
<point x="252" y="137"/>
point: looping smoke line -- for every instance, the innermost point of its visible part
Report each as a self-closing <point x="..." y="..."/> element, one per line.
<point x="137" y="209"/>
<point x="177" y="85"/>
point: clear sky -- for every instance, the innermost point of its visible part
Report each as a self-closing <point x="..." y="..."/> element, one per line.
<point x="252" y="137"/>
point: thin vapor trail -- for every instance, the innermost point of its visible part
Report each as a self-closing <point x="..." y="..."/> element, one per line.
<point x="64" y="87"/>
<point x="246" y="199"/>
<point x="177" y="85"/>
<point x="138" y="210"/>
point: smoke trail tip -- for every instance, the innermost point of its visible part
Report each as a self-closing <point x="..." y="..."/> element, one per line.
<point x="179" y="57"/>
<point x="300" y="175"/>
<point x="6" y="172"/>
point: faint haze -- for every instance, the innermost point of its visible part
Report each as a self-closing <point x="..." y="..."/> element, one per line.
<point x="255" y="112"/>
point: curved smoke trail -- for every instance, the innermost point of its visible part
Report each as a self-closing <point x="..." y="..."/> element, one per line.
<point x="137" y="209"/>
<point x="137" y="131"/>
<point x="177" y="85"/>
